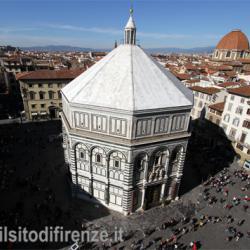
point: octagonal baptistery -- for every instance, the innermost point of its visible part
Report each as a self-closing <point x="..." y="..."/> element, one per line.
<point x="125" y="127"/>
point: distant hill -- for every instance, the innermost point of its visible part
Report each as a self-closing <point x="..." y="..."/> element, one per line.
<point x="60" y="48"/>
<point x="198" y="50"/>
<point x="66" y="48"/>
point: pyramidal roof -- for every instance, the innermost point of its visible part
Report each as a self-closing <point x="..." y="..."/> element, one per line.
<point x="130" y="24"/>
<point x="128" y="79"/>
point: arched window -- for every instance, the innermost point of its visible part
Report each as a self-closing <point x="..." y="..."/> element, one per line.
<point x="82" y="155"/>
<point x="51" y="95"/>
<point x="157" y="159"/>
<point x="139" y="167"/>
<point x="228" y="53"/>
<point x="98" y="158"/>
<point x="32" y="95"/>
<point x="116" y="163"/>
<point x="236" y="122"/>
<point x="41" y="95"/>
<point x="239" y="110"/>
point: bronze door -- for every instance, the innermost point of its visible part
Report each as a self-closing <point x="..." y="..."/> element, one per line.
<point x="153" y="196"/>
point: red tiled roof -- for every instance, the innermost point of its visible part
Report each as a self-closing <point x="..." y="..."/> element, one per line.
<point x="230" y="73"/>
<point x="193" y="81"/>
<point x="224" y="68"/>
<point x="218" y="106"/>
<point x="211" y="71"/>
<point x="244" y="60"/>
<point x="182" y="76"/>
<point x="242" y="91"/>
<point x="191" y="67"/>
<point x="206" y="90"/>
<point x="50" y="74"/>
<point x="236" y="39"/>
<point x="228" y="84"/>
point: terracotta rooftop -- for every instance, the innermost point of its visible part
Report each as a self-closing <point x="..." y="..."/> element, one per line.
<point x="228" y="84"/>
<point x="236" y="39"/>
<point x="230" y="73"/>
<point x="206" y="90"/>
<point x="50" y="74"/>
<point x="182" y="76"/>
<point x="218" y="106"/>
<point x="193" y="81"/>
<point x="191" y="67"/>
<point x="242" y="91"/>
<point x="225" y="68"/>
<point x="244" y="60"/>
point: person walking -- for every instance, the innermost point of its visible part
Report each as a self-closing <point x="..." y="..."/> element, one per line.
<point x="194" y="247"/>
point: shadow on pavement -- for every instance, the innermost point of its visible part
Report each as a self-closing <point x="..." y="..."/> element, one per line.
<point x="34" y="183"/>
<point x="209" y="151"/>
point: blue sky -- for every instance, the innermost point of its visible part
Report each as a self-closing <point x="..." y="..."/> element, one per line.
<point x="98" y="23"/>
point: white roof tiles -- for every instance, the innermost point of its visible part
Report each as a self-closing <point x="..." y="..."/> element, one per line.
<point x="130" y="24"/>
<point x="128" y="79"/>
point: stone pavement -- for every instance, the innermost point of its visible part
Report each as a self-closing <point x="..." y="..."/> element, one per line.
<point x="145" y="230"/>
<point x="35" y="192"/>
<point x="34" y="182"/>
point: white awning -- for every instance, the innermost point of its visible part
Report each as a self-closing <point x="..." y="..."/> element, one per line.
<point x="33" y="113"/>
<point x="43" y="113"/>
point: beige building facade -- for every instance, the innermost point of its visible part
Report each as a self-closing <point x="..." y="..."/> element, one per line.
<point x="203" y="97"/>
<point x="215" y="112"/>
<point x="41" y="92"/>
<point x="236" y="121"/>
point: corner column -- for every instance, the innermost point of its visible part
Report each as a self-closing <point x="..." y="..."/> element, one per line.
<point x="106" y="195"/>
<point x="128" y="189"/>
<point x="144" y="187"/>
<point x="73" y="170"/>
<point x="91" y="174"/>
<point x="176" y="181"/>
<point x="165" y="178"/>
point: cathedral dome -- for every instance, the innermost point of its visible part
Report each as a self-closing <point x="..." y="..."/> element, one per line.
<point x="235" y="39"/>
<point x="128" y="79"/>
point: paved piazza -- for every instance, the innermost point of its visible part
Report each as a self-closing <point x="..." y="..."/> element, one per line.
<point x="35" y="192"/>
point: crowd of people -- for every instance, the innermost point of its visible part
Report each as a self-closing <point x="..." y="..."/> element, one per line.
<point x="30" y="198"/>
<point x="215" y="194"/>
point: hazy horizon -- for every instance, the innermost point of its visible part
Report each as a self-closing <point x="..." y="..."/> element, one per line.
<point x="97" y="24"/>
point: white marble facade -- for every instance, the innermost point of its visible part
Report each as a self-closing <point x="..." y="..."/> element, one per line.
<point x="118" y="160"/>
<point x="125" y="129"/>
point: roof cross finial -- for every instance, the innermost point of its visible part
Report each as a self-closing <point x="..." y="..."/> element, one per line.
<point x="130" y="28"/>
<point x="131" y="10"/>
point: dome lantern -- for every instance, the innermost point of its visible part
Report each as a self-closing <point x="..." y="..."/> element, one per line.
<point x="130" y="30"/>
